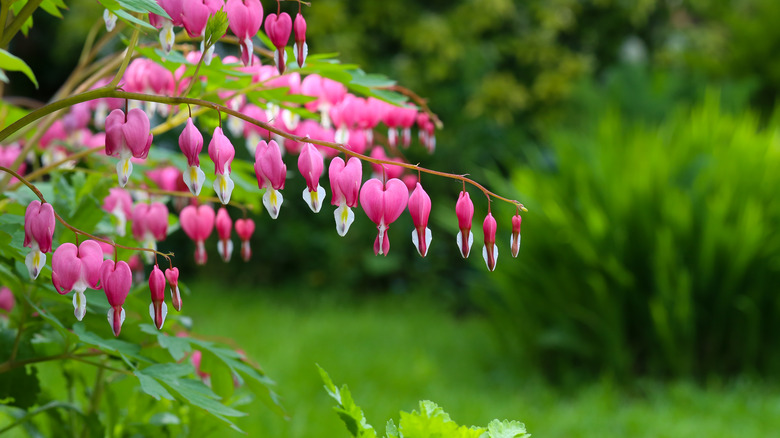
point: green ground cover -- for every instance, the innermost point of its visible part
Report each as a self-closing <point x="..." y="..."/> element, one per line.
<point x="395" y="350"/>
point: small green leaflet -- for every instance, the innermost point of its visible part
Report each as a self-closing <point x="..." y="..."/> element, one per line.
<point x="13" y="63"/>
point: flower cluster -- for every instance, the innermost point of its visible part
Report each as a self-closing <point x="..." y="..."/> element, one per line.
<point x="316" y="118"/>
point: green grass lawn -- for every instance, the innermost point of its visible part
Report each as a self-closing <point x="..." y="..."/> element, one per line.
<point x="395" y="350"/>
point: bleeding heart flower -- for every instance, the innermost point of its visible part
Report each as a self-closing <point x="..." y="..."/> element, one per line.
<point x="245" y="228"/>
<point x="345" y="183"/>
<point x="245" y="18"/>
<point x="191" y="143"/>
<point x="75" y="269"/>
<point x="127" y="136"/>
<point x="420" y="209"/>
<point x="116" y="280"/>
<point x="311" y="163"/>
<point x="7" y="300"/>
<point x="278" y="28"/>
<point x="120" y="205"/>
<point x="490" y="250"/>
<point x="271" y="173"/>
<point x="150" y="225"/>
<point x="157" y="308"/>
<point x="515" y="239"/>
<point x="38" y="234"/>
<point x="383" y="204"/>
<point x="224" y="227"/>
<point x="464" y="209"/>
<point x="172" y="275"/>
<point x="198" y="222"/>
<point x="222" y="153"/>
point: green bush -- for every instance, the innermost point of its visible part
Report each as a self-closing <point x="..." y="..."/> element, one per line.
<point x="650" y="248"/>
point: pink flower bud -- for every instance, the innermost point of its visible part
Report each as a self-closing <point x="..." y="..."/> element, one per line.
<point x="38" y="234"/>
<point x="383" y="204"/>
<point x="166" y="178"/>
<point x="490" y="250"/>
<point x="301" y="49"/>
<point x="116" y="280"/>
<point x="157" y="308"/>
<point x="197" y="223"/>
<point x="172" y="275"/>
<point x="310" y="164"/>
<point x="127" y="136"/>
<point x="120" y="205"/>
<point x="75" y="269"/>
<point x="224" y="227"/>
<point x="222" y="153"/>
<point x="420" y="209"/>
<point x="245" y="228"/>
<point x="464" y="209"/>
<point x="515" y="239"/>
<point x="390" y="171"/>
<point x="7" y="301"/>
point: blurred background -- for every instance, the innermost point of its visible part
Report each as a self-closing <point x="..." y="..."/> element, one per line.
<point x="643" y="138"/>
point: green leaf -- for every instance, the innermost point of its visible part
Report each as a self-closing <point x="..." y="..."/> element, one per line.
<point x="130" y="18"/>
<point x="506" y="429"/>
<point x="13" y="63"/>
<point x="432" y="421"/>
<point x="114" y="345"/>
<point x="216" y="27"/>
<point x="53" y="7"/>
<point x="347" y="410"/>
<point x="152" y="387"/>
<point x="144" y="6"/>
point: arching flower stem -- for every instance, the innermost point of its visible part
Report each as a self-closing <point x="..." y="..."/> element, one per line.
<point x="59" y="218"/>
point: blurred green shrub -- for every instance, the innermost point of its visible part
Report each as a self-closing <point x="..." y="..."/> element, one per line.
<point x="650" y="248"/>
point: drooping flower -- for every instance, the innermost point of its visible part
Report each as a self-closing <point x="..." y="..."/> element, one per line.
<point x="38" y="234"/>
<point x="174" y="10"/>
<point x="310" y="164"/>
<point x="150" y="225"/>
<point x="345" y="183"/>
<point x="420" y="209"/>
<point x="120" y="205"/>
<point x="191" y="143"/>
<point x="490" y="250"/>
<point x="271" y="173"/>
<point x="167" y="178"/>
<point x="198" y="222"/>
<point x="116" y="280"/>
<point x="245" y="228"/>
<point x="245" y="18"/>
<point x="110" y="19"/>
<point x="383" y="204"/>
<point x="300" y="49"/>
<point x="127" y="136"/>
<point x="222" y="153"/>
<point x="75" y="269"/>
<point x="7" y="300"/>
<point x="157" y="308"/>
<point x="388" y="170"/>
<point x="515" y="239"/>
<point x="278" y="28"/>
<point x="224" y="227"/>
<point x="252" y="132"/>
<point x="172" y="275"/>
<point x="464" y="209"/>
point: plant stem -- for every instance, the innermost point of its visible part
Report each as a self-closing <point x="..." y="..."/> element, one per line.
<point x="44" y="408"/>
<point x="18" y="22"/>
<point x="128" y="56"/>
<point x="109" y="92"/>
<point x="59" y="218"/>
